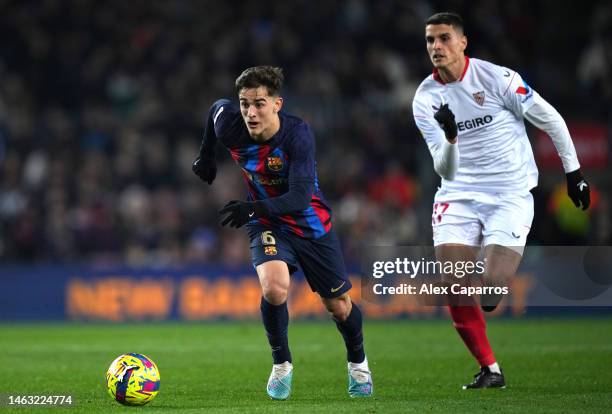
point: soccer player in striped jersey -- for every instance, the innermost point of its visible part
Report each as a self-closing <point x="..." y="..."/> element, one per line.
<point x="286" y="215"/>
<point x="471" y="114"/>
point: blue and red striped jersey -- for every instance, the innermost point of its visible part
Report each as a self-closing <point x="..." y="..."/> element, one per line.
<point x="266" y="167"/>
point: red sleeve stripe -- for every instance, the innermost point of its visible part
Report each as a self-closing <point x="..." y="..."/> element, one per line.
<point x="290" y="221"/>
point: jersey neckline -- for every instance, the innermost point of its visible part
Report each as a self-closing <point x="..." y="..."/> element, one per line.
<point x="436" y="74"/>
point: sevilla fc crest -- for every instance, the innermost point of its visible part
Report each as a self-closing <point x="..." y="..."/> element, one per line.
<point x="479" y="97"/>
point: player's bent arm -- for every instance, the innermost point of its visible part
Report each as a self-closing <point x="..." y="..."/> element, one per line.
<point x="296" y="199"/>
<point x="444" y="154"/>
<point x="542" y="115"/>
<point x="301" y="152"/>
<point x="446" y="160"/>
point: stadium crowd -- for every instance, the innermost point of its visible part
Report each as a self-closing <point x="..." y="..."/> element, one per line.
<point x="102" y="104"/>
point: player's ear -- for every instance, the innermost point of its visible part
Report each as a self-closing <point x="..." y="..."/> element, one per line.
<point x="278" y="104"/>
<point x="463" y="42"/>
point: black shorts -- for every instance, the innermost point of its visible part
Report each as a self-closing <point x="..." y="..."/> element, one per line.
<point x="320" y="259"/>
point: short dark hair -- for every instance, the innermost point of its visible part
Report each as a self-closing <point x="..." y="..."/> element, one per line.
<point x="269" y="76"/>
<point x="451" y="19"/>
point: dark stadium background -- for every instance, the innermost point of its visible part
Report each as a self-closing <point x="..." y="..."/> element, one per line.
<point x="102" y="220"/>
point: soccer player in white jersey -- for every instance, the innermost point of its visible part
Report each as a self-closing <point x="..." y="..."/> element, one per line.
<point x="471" y="114"/>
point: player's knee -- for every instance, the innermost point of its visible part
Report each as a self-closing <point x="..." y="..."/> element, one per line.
<point x="339" y="308"/>
<point x="341" y="314"/>
<point x="274" y="280"/>
<point x="502" y="263"/>
<point x="275" y="293"/>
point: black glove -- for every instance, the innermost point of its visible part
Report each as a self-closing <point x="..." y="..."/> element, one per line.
<point x="578" y="189"/>
<point x="205" y="168"/>
<point x="446" y="119"/>
<point x="241" y="212"/>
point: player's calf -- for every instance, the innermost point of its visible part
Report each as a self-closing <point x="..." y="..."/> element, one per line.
<point x="501" y="265"/>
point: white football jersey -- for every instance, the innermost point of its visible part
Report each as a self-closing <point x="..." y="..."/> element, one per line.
<point x="489" y="103"/>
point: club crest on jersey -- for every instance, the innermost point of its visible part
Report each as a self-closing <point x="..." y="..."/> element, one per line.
<point x="479" y="97"/>
<point x="270" y="250"/>
<point x="275" y="163"/>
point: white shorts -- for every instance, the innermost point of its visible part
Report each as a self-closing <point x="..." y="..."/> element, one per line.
<point x="481" y="219"/>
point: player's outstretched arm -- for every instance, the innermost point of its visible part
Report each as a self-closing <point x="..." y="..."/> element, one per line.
<point x="205" y="165"/>
<point x="545" y="117"/>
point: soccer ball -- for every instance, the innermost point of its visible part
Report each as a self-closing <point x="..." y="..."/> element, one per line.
<point x="132" y="379"/>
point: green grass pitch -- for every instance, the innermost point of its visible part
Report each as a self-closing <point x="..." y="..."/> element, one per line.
<point x="551" y="365"/>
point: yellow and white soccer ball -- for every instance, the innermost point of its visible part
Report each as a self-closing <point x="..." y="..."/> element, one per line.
<point x="132" y="379"/>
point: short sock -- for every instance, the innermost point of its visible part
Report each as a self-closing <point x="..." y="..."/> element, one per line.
<point x="494" y="368"/>
<point x="362" y="366"/>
